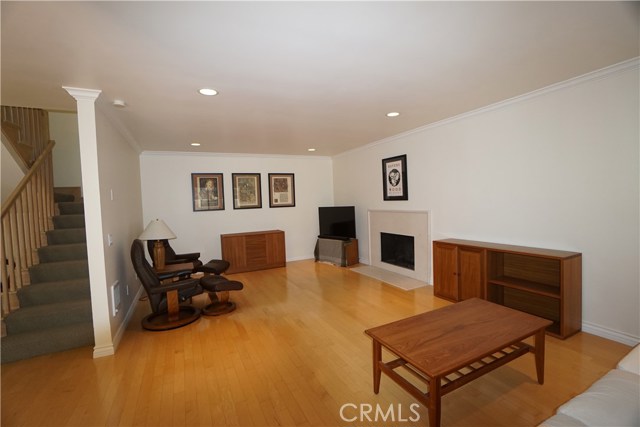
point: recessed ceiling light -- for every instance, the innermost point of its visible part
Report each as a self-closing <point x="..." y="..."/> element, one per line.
<point x="208" y="92"/>
<point x="195" y="144"/>
<point x="311" y="149"/>
<point x="393" y="114"/>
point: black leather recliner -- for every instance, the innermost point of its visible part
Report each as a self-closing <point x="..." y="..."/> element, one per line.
<point x="165" y="295"/>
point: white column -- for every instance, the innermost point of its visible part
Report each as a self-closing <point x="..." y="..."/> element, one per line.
<point x="87" y="132"/>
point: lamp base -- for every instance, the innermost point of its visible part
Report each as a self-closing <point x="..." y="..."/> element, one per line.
<point x="158" y="255"/>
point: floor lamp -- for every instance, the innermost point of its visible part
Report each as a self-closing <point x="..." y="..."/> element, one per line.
<point x="157" y="230"/>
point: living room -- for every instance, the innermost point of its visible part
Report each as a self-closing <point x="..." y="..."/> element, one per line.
<point x="555" y="168"/>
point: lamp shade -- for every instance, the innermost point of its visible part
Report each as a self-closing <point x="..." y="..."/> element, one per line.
<point x="157" y="230"/>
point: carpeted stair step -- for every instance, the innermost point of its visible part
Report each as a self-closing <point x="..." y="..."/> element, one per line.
<point x="72" y="251"/>
<point x="45" y="316"/>
<point x="71" y="208"/>
<point x="61" y="197"/>
<point x="53" y="292"/>
<point x="68" y="221"/>
<point x="57" y="271"/>
<point x="22" y="346"/>
<point x="66" y="235"/>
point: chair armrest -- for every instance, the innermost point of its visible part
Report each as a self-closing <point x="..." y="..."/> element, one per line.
<point x="191" y="256"/>
<point x="175" y="286"/>
<point x="172" y="274"/>
<point x="195" y="262"/>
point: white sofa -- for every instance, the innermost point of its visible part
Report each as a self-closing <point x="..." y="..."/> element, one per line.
<point x="613" y="400"/>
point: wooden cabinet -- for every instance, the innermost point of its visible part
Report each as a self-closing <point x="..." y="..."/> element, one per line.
<point x="543" y="282"/>
<point x="256" y="250"/>
<point x="458" y="271"/>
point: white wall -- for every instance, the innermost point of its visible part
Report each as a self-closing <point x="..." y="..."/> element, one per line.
<point x="63" y="128"/>
<point x="121" y="203"/>
<point x="166" y="194"/>
<point x="557" y="169"/>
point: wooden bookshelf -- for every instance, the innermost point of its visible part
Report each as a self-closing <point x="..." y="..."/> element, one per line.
<point x="543" y="282"/>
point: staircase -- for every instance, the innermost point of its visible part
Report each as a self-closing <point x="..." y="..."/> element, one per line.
<point x="55" y="309"/>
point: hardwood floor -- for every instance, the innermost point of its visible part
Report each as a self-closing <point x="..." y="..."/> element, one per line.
<point x="292" y="354"/>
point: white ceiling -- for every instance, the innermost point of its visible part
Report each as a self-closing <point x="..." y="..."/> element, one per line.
<point x="295" y="75"/>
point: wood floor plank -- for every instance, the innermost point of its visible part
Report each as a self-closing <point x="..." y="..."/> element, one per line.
<point x="294" y="353"/>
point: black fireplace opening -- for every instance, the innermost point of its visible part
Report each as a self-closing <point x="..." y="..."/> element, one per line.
<point x="397" y="249"/>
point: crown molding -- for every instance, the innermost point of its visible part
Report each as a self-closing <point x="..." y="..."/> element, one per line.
<point x="620" y="67"/>
<point x="214" y="154"/>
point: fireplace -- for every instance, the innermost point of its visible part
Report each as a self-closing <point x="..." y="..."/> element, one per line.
<point x="397" y="249"/>
<point x="413" y="224"/>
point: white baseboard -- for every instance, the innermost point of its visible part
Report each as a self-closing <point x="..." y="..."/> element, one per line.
<point x="109" y="350"/>
<point x="610" y="334"/>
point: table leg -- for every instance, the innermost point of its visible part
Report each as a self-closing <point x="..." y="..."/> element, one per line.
<point x="539" y="353"/>
<point x="377" y="358"/>
<point x="173" y="306"/>
<point x="434" y="402"/>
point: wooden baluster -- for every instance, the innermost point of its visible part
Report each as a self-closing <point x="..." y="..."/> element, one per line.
<point x="28" y="247"/>
<point x="42" y="223"/>
<point x="50" y="202"/>
<point x="4" y="274"/>
<point x="33" y="234"/>
<point x="15" y="251"/>
<point x="11" y="281"/>
<point x="21" y="255"/>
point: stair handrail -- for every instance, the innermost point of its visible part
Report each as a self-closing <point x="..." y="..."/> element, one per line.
<point x="26" y="216"/>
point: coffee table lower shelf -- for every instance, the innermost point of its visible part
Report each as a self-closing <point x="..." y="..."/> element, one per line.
<point x="455" y="379"/>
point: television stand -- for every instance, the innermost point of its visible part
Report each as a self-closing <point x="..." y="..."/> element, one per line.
<point x="338" y="252"/>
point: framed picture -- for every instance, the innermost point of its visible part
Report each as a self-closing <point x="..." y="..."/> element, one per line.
<point x="246" y="190"/>
<point x="394" y="178"/>
<point x="282" y="190"/>
<point x="207" y="192"/>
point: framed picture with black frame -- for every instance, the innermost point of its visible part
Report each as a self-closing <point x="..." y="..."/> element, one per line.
<point x="247" y="193"/>
<point x="207" y="191"/>
<point x="394" y="178"/>
<point x="282" y="190"/>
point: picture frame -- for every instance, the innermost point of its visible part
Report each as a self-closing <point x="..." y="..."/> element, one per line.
<point x="394" y="178"/>
<point x="282" y="190"/>
<point x="207" y="191"/>
<point x="247" y="191"/>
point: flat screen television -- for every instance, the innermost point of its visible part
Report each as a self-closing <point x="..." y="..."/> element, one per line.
<point x="337" y="222"/>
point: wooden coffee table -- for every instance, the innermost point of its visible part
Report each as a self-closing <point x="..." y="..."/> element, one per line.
<point x="451" y="346"/>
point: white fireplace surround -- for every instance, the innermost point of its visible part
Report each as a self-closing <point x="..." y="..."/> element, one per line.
<point x="408" y="223"/>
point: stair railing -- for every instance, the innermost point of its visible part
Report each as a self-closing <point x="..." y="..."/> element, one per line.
<point x="28" y="129"/>
<point x="26" y="217"/>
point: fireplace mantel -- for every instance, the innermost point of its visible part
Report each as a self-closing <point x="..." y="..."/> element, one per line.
<point x="409" y="223"/>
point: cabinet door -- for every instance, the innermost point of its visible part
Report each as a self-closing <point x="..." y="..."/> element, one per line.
<point x="275" y="247"/>
<point x="445" y="271"/>
<point x="471" y="272"/>
<point x="233" y="250"/>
